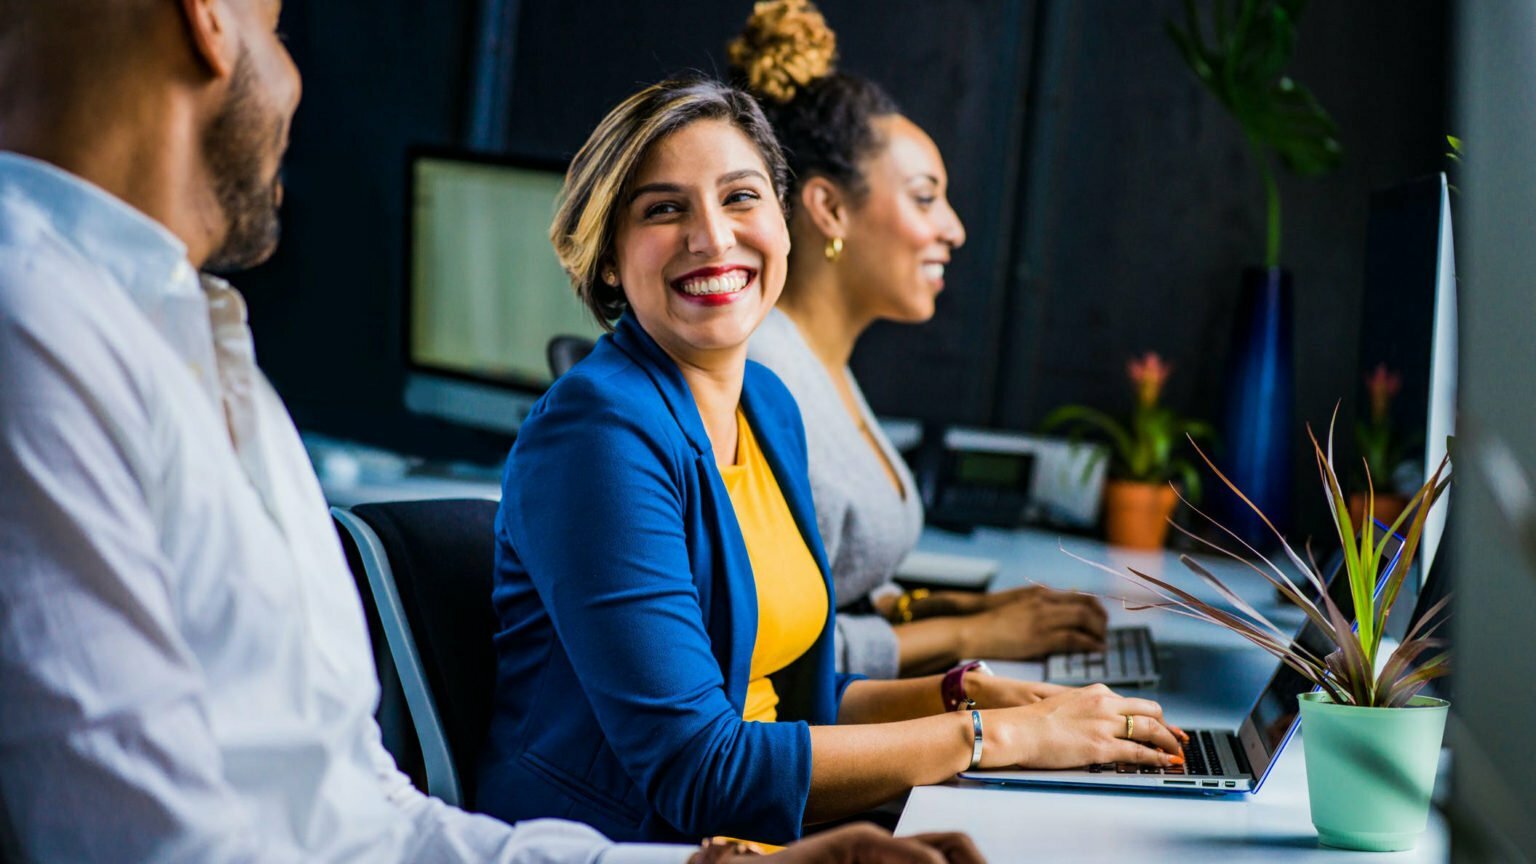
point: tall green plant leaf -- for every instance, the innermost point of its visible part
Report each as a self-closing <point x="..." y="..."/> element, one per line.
<point x="1243" y="67"/>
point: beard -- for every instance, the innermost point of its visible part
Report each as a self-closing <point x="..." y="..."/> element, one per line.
<point x="236" y="146"/>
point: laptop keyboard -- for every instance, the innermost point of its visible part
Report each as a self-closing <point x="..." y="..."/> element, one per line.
<point x="1128" y="655"/>
<point x="1200" y="760"/>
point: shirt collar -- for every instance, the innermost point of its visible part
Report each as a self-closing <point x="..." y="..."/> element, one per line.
<point x="143" y="255"/>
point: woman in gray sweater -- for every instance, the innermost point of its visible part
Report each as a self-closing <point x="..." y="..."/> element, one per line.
<point x="872" y="232"/>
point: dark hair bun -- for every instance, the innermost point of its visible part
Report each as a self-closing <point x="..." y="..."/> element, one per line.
<point x="786" y="45"/>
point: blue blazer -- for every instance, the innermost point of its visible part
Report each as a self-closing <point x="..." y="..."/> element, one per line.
<point x="628" y="614"/>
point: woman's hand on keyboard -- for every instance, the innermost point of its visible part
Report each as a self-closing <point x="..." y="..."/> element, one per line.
<point x="1039" y="594"/>
<point x="1078" y="727"/>
<point x="1033" y="626"/>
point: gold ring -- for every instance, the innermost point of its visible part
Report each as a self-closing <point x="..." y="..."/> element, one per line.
<point x="1130" y="727"/>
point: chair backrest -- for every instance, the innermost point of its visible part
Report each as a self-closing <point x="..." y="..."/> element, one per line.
<point x="563" y="352"/>
<point x="428" y="565"/>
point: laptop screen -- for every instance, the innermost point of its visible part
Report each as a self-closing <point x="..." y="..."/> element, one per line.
<point x="1275" y="712"/>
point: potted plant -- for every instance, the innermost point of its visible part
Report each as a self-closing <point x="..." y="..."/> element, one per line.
<point x="1138" y="500"/>
<point x="1242" y="64"/>
<point x="1382" y="448"/>
<point x="1372" y="742"/>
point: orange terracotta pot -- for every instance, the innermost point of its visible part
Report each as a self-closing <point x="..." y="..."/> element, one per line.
<point x="1136" y="514"/>
<point x="1388" y="507"/>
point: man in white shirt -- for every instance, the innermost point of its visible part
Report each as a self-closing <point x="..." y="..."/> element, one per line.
<point x="185" y="673"/>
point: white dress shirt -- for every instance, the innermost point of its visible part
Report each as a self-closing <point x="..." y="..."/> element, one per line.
<point x="185" y="671"/>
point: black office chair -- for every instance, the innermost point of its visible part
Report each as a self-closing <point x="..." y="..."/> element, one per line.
<point x="427" y="568"/>
<point x="563" y="352"/>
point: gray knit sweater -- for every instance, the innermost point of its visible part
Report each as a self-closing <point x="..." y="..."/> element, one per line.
<point x="868" y="528"/>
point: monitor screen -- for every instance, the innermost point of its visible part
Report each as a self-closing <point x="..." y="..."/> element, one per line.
<point x="486" y="292"/>
<point x="1408" y="332"/>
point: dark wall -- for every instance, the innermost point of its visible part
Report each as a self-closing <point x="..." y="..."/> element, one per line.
<point x="1142" y="205"/>
<point x="1110" y="201"/>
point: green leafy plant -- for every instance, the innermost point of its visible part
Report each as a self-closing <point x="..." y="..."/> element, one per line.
<point x="1243" y="65"/>
<point x="1143" y="449"/>
<point x="1453" y="158"/>
<point x="1347" y="674"/>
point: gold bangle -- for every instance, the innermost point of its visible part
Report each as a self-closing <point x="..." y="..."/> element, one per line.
<point x="905" y="601"/>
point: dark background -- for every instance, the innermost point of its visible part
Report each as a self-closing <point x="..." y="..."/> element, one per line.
<point x="1109" y="200"/>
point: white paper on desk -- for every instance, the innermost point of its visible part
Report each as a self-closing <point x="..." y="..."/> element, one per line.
<point x="947" y="571"/>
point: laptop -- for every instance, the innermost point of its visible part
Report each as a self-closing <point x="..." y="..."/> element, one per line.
<point x="1221" y="761"/>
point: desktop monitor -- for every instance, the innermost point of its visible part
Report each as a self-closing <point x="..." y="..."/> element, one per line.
<point x="1408" y="324"/>
<point x="485" y="293"/>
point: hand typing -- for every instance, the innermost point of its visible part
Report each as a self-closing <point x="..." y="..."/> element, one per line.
<point x="1078" y="727"/>
<point x="1034" y="622"/>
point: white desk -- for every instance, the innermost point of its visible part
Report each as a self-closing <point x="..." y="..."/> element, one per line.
<point x="1210" y="678"/>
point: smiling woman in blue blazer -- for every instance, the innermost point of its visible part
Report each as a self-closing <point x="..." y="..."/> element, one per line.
<point x="660" y="583"/>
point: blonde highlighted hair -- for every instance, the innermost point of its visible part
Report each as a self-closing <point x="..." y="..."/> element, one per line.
<point x="603" y="171"/>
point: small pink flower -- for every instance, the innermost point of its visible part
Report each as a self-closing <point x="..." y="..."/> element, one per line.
<point x="1382" y="384"/>
<point x="1148" y="373"/>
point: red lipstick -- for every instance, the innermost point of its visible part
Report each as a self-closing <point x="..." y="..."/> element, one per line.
<point x="716" y="272"/>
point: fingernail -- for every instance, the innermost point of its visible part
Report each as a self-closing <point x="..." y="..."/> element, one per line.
<point x="1175" y="760"/>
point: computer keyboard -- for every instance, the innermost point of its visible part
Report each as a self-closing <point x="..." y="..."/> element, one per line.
<point x="1200" y="760"/>
<point x="1129" y="658"/>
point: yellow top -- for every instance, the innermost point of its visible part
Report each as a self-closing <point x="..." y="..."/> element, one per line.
<point x="791" y="594"/>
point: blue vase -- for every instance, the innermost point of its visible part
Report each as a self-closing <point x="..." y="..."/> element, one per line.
<point x="1259" y="435"/>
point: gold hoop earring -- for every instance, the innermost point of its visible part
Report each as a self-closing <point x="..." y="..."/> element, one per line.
<point x="833" y="249"/>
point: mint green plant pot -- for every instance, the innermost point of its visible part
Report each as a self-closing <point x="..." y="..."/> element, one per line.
<point x="1370" y="771"/>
